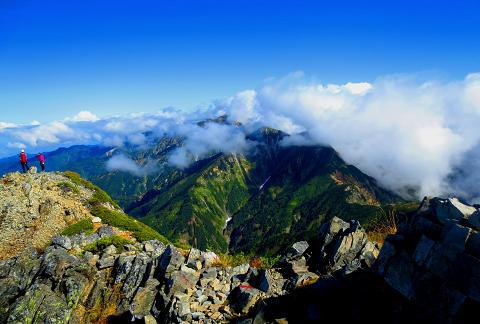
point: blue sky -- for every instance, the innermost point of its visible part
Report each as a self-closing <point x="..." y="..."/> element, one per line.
<point x="112" y="57"/>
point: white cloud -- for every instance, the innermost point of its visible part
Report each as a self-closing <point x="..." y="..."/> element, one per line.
<point x="405" y="133"/>
<point x="52" y="133"/>
<point x="16" y="145"/>
<point x="125" y="164"/>
<point x="4" y="125"/>
<point x="83" y="116"/>
<point x="203" y="141"/>
<point x="358" y="88"/>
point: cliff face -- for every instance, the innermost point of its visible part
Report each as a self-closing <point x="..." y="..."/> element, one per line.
<point x="434" y="260"/>
<point x="35" y="207"/>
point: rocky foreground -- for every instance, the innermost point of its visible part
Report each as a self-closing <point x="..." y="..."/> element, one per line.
<point x="152" y="282"/>
<point x="429" y="271"/>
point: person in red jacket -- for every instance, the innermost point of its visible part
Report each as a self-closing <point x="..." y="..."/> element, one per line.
<point x="24" y="161"/>
<point x="41" y="159"/>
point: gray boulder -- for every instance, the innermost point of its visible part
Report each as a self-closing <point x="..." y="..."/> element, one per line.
<point x="296" y="250"/>
<point x="62" y="241"/>
<point x="474" y="220"/>
<point x="144" y="298"/>
<point x="138" y="273"/>
<point x="243" y="298"/>
<point x="344" y="245"/>
<point x="194" y="259"/>
<point x="171" y="260"/>
<point x="264" y="280"/>
<point x="450" y="209"/>
<point x="107" y="261"/>
<point x="180" y="281"/>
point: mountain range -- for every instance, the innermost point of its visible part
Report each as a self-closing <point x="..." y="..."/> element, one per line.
<point x="256" y="202"/>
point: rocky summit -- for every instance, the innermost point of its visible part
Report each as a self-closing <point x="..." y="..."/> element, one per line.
<point x="36" y="206"/>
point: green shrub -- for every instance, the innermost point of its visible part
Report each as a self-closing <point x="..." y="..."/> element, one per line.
<point x="101" y="244"/>
<point x="85" y="225"/>
<point x="68" y="186"/>
<point x="99" y="196"/>
<point x="233" y="260"/>
<point x="122" y="221"/>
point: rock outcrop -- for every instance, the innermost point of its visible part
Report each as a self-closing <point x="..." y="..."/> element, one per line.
<point x="36" y="206"/>
<point x="152" y="282"/>
<point x="434" y="259"/>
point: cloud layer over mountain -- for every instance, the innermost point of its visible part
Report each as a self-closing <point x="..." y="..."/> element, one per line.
<point x="408" y="133"/>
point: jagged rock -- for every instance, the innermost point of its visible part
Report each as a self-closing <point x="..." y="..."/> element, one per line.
<point x="137" y="274"/>
<point x="209" y="273"/>
<point x="450" y="209"/>
<point x="110" y="250"/>
<point x="155" y="248"/>
<point x="171" y="260"/>
<point x="342" y="244"/>
<point x="90" y="258"/>
<point x="16" y="275"/>
<point x="180" y="281"/>
<point x="399" y="274"/>
<point x="184" y="268"/>
<point x="122" y="267"/>
<point x="329" y="230"/>
<point x="265" y="280"/>
<point x="435" y="262"/>
<point x="241" y="269"/>
<point x="386" y="253"/>
<point x="456" y="235"/>
<point x="39" y="305"/>
<point x="160" y="305"/>
<point x="198" y="316"/>
<point x="144" y="298"/>
<point x="82" y="240"/>
<point x="107" y="261"/>
<point x="474" y="220"/>
<point x="194" y="259"/>
<point x="297" y="266"/>
<point x="55" y="261"/>
<point x="183" y="309"/>
<point x="62" y="241"/>
<point x="423" y="249"/>
<point x="76" y="283"/>
<point x="106" y="231"/>
<point x="369" y="253"/>
<point x="208" y="259"/>
<point x="297" y="250"/>
<point x="243" y="298"/>
<point x="442" y="259"/>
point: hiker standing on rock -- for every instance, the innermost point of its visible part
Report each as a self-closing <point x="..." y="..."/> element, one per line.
<point x="24" y="161"/>
<point x="41" y="159"/>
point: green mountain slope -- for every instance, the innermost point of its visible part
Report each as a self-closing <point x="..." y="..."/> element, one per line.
<point x="270" y="198"/>
<point x="307" y="186"/>
<point x="194" y="210"/>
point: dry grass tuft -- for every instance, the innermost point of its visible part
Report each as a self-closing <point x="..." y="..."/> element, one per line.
<point x="386" y="225"/>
